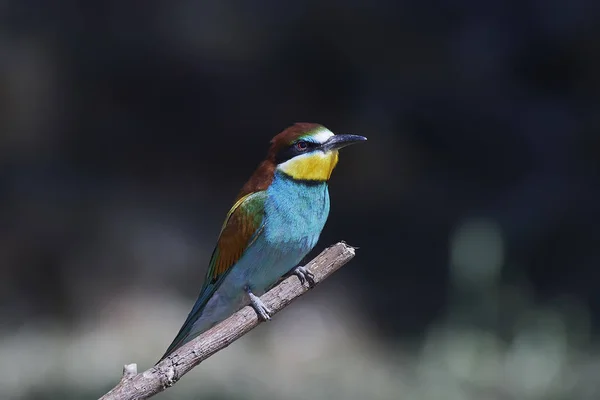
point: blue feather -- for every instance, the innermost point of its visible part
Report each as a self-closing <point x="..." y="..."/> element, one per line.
<point x="295" y="213"/>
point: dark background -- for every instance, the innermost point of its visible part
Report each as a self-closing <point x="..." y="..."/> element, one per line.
<point x="127" y="128"/>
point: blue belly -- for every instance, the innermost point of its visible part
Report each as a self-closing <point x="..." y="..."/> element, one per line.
<point x="295" y="214"/>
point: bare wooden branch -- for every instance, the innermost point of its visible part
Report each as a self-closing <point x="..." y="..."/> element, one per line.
<point x="165" y="374"/>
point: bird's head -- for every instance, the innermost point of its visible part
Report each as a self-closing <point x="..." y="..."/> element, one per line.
<point x="308" y="152"/>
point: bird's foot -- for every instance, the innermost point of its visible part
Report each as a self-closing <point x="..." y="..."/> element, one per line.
<point x="304" y="275"/>
<point x="263" y="312"/>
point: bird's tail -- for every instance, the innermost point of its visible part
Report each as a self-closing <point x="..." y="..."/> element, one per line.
<point x="177" y="343"/>
<point x="189" y="330"/>
<point x="185" y="334"/>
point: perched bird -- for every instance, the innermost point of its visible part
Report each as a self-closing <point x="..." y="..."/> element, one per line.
<point x="274" y="223"/>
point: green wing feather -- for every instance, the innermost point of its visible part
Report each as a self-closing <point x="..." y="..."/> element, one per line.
<point x="242" y="226"/>
<point x="240" y="229"/>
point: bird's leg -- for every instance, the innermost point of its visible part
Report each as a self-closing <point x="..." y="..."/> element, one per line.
<point x="261" y="309"/>
<point x="304" y="275"/>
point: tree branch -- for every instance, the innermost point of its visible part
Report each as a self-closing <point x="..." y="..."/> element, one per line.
<point x="170" y="370"/>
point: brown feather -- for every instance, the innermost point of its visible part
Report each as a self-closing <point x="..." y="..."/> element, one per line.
<point x="233" y="241"/>
<point x="236" y="235"/>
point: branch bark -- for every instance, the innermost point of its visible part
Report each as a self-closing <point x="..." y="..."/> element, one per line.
<point x="166" y="373"/>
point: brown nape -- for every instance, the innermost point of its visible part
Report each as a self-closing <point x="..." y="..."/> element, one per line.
<point x="263" y="175"/>
<point x="260" y="179"/>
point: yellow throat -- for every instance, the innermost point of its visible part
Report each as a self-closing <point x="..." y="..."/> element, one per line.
<point x="315" y="166"/>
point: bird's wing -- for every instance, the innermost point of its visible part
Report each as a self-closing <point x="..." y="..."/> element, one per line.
<point x="242" y="226"/>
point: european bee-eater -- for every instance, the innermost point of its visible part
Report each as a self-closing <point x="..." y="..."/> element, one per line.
<point x="274" y="223"/>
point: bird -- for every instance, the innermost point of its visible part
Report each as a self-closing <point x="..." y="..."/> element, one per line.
<point x="275" y="221"/>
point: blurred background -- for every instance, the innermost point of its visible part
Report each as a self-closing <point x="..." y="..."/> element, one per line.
<point x="127" y="129"/>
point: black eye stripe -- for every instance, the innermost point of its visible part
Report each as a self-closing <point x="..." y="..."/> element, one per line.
<point x="292" y="150"/>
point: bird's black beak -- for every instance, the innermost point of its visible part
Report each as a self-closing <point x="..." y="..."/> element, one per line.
<point x="338" y="141"/>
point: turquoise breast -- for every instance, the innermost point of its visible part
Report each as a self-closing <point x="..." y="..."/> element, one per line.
<point x="295" y="211"/>
<point x="295" y="214"/>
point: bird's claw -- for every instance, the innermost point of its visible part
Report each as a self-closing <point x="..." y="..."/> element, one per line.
<point x="305" y="275"/>
<point x="263" y="312"/>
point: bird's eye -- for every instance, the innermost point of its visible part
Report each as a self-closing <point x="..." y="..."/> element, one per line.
<point x="302" y="145"/>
